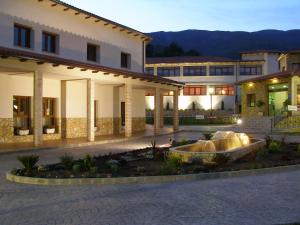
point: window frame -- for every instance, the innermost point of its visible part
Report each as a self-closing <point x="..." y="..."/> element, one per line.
<point x="127" y="60"/>
<point x="96" y="53"/>
<point x="18" y="28"/>
<point x="199" y="90"/>
<point x="251" y="100"/>
<point x="46" y="48"/>
<point x="24" y="118"/>
<point x="228" y="89"/>
<point x="197" y="71"/>
<point x="168" y="71"/>
<point x="221" y="70"/>
<point x="53" y="112"/>
<point x="250" y="70"/>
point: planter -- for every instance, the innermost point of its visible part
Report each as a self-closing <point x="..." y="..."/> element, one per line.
<point x="23" y="132"/>
<point x="49" y="130"/>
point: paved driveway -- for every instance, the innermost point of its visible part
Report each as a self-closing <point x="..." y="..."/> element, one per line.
<point x="257" y="200"/>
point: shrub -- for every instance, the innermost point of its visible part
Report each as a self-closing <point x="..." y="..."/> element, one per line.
<point x="175" y="161"/>
<point x="221" y="159"/>
<point x="114" y="168"/>
<point x="268" y="140"/>
<point x="67" y="161"/>
<point x="274" y="147"/>
<point x="94" y="170"/>
<point x="171" y="165"/>
<point x="262" y="153"/>
<point x="196" y="160"/>
<point x="28" y="162"/>
<point x="76" y="168"/>
<point x="88" y="162"/>
<point x="298" y="149"/>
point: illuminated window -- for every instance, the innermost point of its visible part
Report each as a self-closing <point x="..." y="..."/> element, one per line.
<point x="21" y="112"/>
<point x="250" y="70"/>
<point x="221" y="70"/>
<point x="150" y="70"/>
<point x="168" y="71"/>
<point x="194" y="90"/>
<point x="224" y="90"/>
<point x="251" y="99"/>
<point x="194" y="71"/>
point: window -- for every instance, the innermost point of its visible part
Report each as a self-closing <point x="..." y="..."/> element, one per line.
<point x="22" y="36"/>
<point x="150" y="70"/>
<point x="92" y="52"/>
<point x="194" y="71"/>
<point x="221" y="70"/>
<point x="49" y="112"/>
<point x="224" y="90"/>
<point x="250" y="70"/>
<point x="49" y="42"/>
<point x="21" y="112"/>
<point x="295" y="66"/>
<point x="194" y="90"/>
<point x="251" y="99"/>
<point x="168" y="71"/>
<point x="125" y="60"/>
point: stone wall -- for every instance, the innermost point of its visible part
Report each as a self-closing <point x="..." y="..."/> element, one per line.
<point x="105" y="126"/>
<point x="255" y="124"/>
<point x="74" y="127"/>
<point x="138" y="124"/>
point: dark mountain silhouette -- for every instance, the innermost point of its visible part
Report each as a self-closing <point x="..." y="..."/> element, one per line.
<point x="225" y="43"/>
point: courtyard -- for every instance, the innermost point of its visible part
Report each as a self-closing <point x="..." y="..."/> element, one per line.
<point x="239" y="200"/>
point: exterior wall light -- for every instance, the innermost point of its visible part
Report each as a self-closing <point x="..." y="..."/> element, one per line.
<point x="275" y="81"/>
<point x="171" y="93"/>
<point x="251" y="84"/>
<point x="239" y="121"/>
<point x="211" y="90"/>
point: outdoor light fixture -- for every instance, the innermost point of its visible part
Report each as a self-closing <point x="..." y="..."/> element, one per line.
<point x="171" y="93"/>
<point x="275" y="80"/>
<point x="223" y="92"/>
<point x="211" y="90"/>
<point x="239" y="121"/>
<point x="250" y="84"/>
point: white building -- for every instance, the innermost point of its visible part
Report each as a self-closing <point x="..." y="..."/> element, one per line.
<point x="209" y="78"/>
<point x="67" y="71"/>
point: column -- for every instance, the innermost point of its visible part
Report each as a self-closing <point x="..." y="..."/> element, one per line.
<point x="90" y="109"/>
<point x="161" y="111"/>
<point x="128" y="110"/>
<point x="175" y="111"/>
<point x="38" y="107"/>
<point x="63" y="108"/>
<point x="157" y="99"/>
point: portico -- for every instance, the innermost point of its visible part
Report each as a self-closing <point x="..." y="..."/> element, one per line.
<point x="73" y="99"/>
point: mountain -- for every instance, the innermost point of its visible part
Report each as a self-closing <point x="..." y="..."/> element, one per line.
<point x="227" y="43"/>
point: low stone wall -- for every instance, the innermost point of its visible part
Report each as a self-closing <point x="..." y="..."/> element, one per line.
<point x="138" y="124"/>
<point x="105" y="126"/>
<point x="74" y="127"/>
<point x="255" y="124"/>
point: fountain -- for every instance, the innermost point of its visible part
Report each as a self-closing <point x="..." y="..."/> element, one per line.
<point x="234" y="145"/>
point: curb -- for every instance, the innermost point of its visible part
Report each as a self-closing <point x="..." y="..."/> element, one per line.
<point x="146" y="179"/>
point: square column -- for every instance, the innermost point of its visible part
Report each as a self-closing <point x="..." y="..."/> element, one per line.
<point x="175" y="111"/>
<point x="128" y="110"/>
<point x="38" y="107"/>
<point x="161" y="111"/>
<point x="90" y="109"/>
<point x="157" y="111"/>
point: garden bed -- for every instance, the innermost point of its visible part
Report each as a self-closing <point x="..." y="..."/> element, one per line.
<point x="154" y="161"/>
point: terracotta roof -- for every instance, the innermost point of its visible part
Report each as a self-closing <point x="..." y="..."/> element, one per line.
<point x="98" y="18"/>
<point x="271" y="76"/>
<point x="41" y="58"/>
<point x="187" y="59"/>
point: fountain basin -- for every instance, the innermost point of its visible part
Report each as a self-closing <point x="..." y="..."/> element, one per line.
<point x="235" y="146"/>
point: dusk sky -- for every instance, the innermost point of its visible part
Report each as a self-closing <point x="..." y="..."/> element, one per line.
<point x="175" y="15"/>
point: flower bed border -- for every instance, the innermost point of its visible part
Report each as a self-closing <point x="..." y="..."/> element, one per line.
<point x="146" y="179"/>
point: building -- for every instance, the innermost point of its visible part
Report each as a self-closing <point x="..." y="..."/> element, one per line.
<point x="210" y="81"/>
<point x="66" y="73"/>
<point x="270" y="95"/>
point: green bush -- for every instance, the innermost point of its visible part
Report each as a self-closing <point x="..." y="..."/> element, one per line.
<point x="174" y="161"/>
<point x="88" y="162"/>
<point x="298" y="148"/>
<point x="67" y="161"/>
<point x="274" y="147"/>
<point x="197" y="160"/>
<point x="28" y="161"/>
<point x="76" y="168"/>
<point x="94" y="170"/>
<point x="172" y="165"/>
<point x="221" y="159"/>
<point x="262" y="153"/>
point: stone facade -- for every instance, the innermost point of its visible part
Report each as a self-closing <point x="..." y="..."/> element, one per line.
<point x="255" y="124"/>
<point x="105" y="126"/>
<point x="74" y="127"/>
<point x="138" y="124"/>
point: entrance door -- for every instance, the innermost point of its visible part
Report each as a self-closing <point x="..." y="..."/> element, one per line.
<point x="123" y="113"/>
<point x="278" y="97"/>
